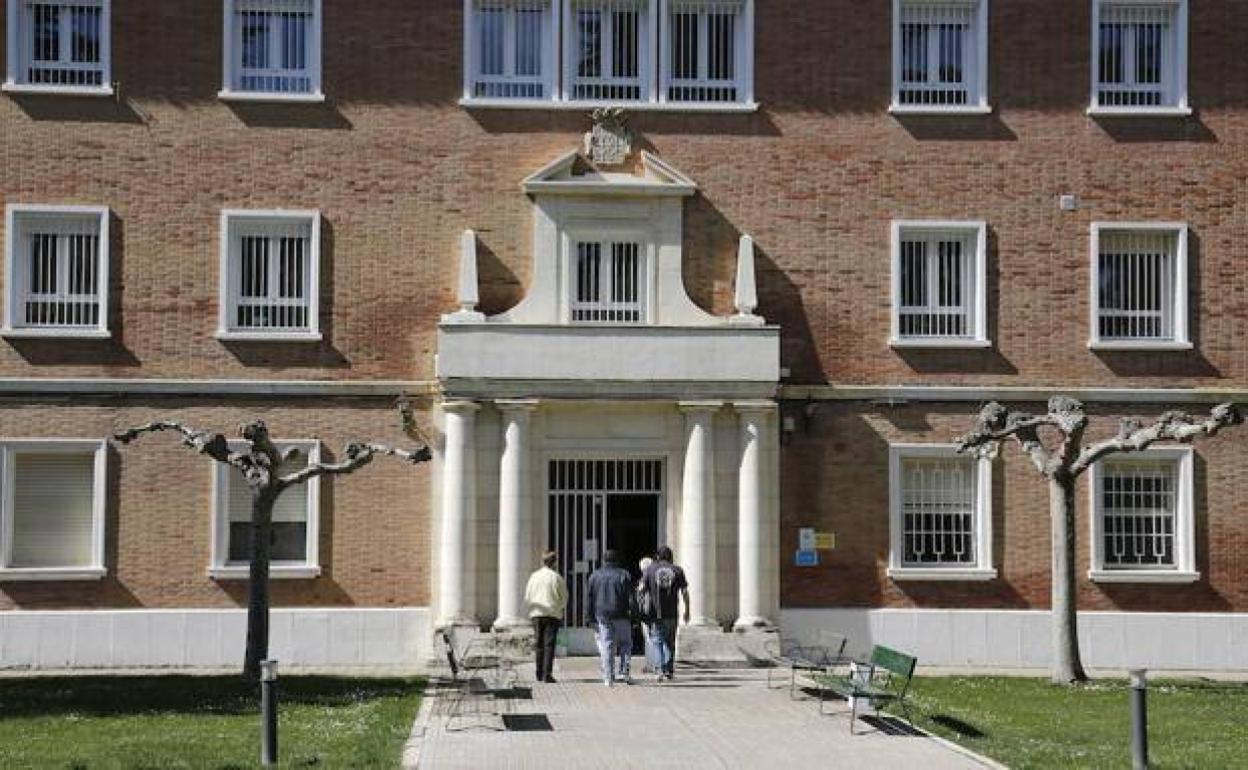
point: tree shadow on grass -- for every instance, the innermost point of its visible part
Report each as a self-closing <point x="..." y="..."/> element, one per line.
<point x="108" y="696"/>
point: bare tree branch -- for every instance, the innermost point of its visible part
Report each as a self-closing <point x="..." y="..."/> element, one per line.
<point x="214" y="445"/>
<point x="1171" y="426"/>
<point x="357" y="455"/>
<point x="997" y="422"/>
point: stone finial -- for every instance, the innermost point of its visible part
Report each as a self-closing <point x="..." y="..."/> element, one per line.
<point x="467" y="293"/>
<point x="746" y="296"/>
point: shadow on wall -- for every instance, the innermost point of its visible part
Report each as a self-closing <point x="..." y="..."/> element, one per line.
<point x="499" y="288"/>
<point x="324" y="115"/>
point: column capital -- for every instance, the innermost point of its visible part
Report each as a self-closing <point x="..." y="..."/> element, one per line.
<point x="460" y="406"/>
<point x="517" y="405"/>
<point x="759" y="405"/>
<point x="695" y="407"/>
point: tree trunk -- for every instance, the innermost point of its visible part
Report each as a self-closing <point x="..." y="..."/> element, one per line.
<point x="258" y="584"/>
<point x="1067" y="667"/>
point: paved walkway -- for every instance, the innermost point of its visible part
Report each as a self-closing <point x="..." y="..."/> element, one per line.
<point x="704" y="719"/>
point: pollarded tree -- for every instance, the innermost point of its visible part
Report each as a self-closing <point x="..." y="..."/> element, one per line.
<point x="258" y="461"/>
<point x="1062" y="462"/>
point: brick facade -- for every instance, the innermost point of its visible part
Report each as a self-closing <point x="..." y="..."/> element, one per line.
<point x="398" y="170"/>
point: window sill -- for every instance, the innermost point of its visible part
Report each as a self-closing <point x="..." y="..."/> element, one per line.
<point x="551" y="104"/>
<point x="936" y="342"/>
<point x="1142" y="576"/>
<point x="269" y="336"/>
<point x="1140" y="345"/>
<point x="81" y="334"/>
<point x="1139" y="112"/>
<point x="276" y="572"/>
<point x="50" y="574"/>
<point x="923" y="109"/>
<point x="930" y="573"/>
<point x="24" y="89"/>
<point x="276" y="98"/>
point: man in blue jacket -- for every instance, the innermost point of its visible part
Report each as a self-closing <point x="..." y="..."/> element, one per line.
<point x="607" y="597"/>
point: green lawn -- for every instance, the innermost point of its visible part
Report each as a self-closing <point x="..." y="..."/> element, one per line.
<point x="1029" y="723"/>
<point x="166" y="722"/>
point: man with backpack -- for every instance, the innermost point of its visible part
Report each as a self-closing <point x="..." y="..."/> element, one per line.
<point x="665" y="583"/>
<point x="609" y="601"/>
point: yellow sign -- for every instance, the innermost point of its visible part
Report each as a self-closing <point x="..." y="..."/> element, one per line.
<point x="825" y="541"/>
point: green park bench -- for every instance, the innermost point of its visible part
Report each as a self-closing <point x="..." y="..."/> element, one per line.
<point x="886" y="679"/>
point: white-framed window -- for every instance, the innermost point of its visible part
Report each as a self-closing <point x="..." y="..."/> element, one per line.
<point x="707" y="49"/>
<point x="939" y="276"/>
<point x="940" y="514"/>
<point x="643" y="54"/>
<point x="940" y="56"/>
<point x="270" y="275"/>
<point x="510" y="49"/>
<point x="1139" y="57"/>
<point x="52" y="509"/>
<point x="296" y="520"/>
<point x="272" y="50"/>
<point x="56" y="271"/>
<point x="1139" y="285"/>
<point x="1143" y="522"/>
<point x="59" y="46"/>
<point x="608" y="278"/>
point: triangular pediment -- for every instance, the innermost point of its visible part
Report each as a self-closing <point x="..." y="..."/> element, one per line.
<point x="574" y="174"/>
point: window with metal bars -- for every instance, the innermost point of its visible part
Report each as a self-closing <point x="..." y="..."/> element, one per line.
<point x="938" y="511"/>
<point x="1137" y="272"/>
<point x="271" y="266"/>
<point x="607" y="50"/>
<point x="704" y="45"/>
<point x="273" y="47"/>
<point x="608" y="282"/>
<point x="1139" y="55"/>
<point x="510" y="49"/>
<point x="60" y="270"/>
<point x="937" y="61"/>
<point x="62" y="44"/>
<point x="938" y="273"/>
<point x="1138" y="509"/>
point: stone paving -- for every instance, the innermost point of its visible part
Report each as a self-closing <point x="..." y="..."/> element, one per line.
<point x="706" y="718"/>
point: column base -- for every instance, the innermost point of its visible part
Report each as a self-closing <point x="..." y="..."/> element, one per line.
<point x="510" y="624"/>
<point x="710" y="645"/>
<point x="757" y="639"/>
<point x="752" y="623"/>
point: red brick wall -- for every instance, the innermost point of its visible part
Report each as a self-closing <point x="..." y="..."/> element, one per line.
<point x="835" y="478"/>
<point x="374" y="526"/>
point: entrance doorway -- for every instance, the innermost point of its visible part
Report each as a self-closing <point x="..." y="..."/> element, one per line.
<point x="595" y="505"/>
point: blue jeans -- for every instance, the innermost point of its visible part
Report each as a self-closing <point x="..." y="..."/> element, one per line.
<point x="615" y="637"/>
<point x="662" y="635"/>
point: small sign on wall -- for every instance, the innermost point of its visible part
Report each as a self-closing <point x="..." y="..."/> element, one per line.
<point x="825" y="541"/>
<point x="591" y="550"/>
<point x="806" y="539"/>
<point x="806" y="558"/>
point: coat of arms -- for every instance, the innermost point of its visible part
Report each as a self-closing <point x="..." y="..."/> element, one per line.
<point x="609" y="142"/>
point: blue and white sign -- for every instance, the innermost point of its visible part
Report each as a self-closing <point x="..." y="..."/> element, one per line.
<point x="806" y="558"/>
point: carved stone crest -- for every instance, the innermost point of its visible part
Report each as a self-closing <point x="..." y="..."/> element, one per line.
<point x="609" y="142"/>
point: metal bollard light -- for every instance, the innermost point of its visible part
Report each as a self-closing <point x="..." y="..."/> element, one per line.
<point x="1139" y="719"/>
<point x="268" y="712"/>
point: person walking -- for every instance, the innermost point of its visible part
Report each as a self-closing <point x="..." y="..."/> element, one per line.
<point x="608" y="600"/>
<point x="666" y="584"/>
<point x="645" y="613"/>
<point x="546" y="596"/>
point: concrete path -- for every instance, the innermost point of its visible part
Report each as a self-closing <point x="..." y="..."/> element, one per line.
<point x="704" y="719"/>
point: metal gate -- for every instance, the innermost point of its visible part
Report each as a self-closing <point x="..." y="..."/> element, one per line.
<point x="577" y="512"/>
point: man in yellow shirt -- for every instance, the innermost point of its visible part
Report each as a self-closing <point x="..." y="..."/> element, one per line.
<point x="546" y="596"/>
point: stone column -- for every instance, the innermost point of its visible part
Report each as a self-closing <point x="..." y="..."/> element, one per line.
<point x="697" y="510"/>
<point x="455" y="548"/>
<point x="751" y="543"/>
<point x="515" y="514"/>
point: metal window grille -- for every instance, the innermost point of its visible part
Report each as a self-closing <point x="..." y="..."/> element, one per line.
<point x="1136" y="285"/>
<point x="938" y="511"/>
<point x="1136" y="55"/>
<point x="608" y="282"/>
<point x="62" y="42"/>
<point x="936" y="282"/>
<point x="1138" y="512"/>
<point x="509" y="47"/>
<point x="274" y="46"/>
<point x="271" y="277"/>
<point x="61" y="272"/>
<point x="703" y="43"/>
<point x="577" y="510"/>
<point x="938" y="54"/>
<point x="607" y="55"/>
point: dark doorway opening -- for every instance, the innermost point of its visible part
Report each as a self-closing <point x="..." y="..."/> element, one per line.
<point x="633" y="533"/>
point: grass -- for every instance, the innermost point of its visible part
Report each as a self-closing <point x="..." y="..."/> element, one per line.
<point x="1030" y="723"/>
<point x="168" y="722"/>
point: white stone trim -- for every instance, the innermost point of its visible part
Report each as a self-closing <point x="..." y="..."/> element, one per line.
<point x="1180" y="339"/>
<point x="1184" y="570"/>
<point x="1175" y="641"/>
<point x="13" y="82"/>
<point x="212" y="638"/>
<point x="978" y="336"/>
<point x="229" y="64"/>
<point x="901" y="395"/>
<point x="231" y="219"/>
<point x="1180" y="107"/>
<point x="977" y="96"/>
<point x="982" y="569"/>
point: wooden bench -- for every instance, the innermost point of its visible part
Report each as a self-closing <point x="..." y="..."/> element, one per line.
<point x="885" y="680"/>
